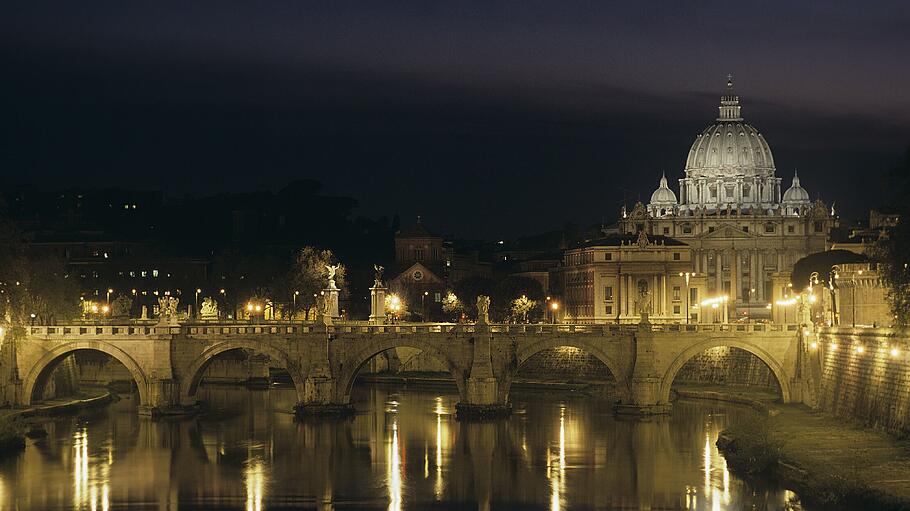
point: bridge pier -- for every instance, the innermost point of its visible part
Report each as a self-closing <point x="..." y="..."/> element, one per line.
<point x="482" y="392"/>
<point x="164" y="400"/>
<point x="644" y="395"/>
<point x="323" y="398"/>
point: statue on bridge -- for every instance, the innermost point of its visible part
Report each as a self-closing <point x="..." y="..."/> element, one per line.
<point x="483" y="309"/>
<point x="209" y="308"/>
<point x="121" y="307"/>
<point x="643" y="304"/>
<point x="167" y="307"/>
<point x="377" y="276"/>
<point x="331" y="269"/>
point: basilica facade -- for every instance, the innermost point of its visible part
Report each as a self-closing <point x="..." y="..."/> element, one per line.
<point x="732" y="212"/>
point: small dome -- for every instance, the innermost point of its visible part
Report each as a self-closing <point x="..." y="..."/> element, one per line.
<point x="796" y="193"/>
<point x="663" y="195"/>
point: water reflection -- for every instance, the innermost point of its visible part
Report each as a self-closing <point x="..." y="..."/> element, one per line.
<point x="249" y="452"/>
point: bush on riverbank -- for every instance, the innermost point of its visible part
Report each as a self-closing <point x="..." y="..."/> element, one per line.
<point x="11" y="439"/>
<point x="752" y="447"/>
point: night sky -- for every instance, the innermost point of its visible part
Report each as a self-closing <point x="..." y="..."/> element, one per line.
<point x="491" y="119"/>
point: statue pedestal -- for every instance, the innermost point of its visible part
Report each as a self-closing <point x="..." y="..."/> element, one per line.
<point x="377" y="303"/>
<point x="330" y="295"/>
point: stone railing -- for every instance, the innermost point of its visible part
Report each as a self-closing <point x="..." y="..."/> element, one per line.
<point x="287" y="327"/>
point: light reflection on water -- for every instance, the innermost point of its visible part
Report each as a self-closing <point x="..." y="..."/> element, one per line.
<point x="404" y="450"/>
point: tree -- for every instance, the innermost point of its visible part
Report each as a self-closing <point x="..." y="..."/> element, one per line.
<point x="521" y="307"/>
<point x="309" y="276"/>
<point x="452" y="306"/>
<point x="33" y="285"/>
<point x="894" y="250"/>
<point x="511" y="288"/>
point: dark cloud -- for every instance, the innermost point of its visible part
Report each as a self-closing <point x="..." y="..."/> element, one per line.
<point x="487" y="118"/>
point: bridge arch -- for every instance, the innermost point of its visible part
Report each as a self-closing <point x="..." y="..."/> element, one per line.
<point x="193" y="376"/>
<point x="769" y="360"/>
<point x="352" y="365"/>
<point x="47" y="362"/>
<point x="526" y="352"/>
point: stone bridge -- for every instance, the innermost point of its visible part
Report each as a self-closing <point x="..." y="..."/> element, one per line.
<point x="167" y="361"/>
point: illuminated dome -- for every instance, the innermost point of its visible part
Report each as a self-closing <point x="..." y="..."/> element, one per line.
<point x="730" y="147"/>
<point x="796" y="198"/>
<point x="730" y="165"/>
<point x="663" y="200"/>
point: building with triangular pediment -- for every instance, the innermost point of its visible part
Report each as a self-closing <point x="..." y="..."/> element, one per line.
<point x="731" y="211"/>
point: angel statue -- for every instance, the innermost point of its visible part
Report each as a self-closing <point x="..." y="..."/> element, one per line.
<point x="483" y="309"/>
<point x="378" y="275"/>
<point x="332" y="269"/>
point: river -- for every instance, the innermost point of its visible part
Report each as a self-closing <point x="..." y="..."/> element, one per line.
<point x="403" y="450"/>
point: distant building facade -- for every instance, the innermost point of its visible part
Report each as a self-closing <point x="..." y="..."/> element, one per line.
<point x="733" y="214"/>
<point x="611" y="280"/>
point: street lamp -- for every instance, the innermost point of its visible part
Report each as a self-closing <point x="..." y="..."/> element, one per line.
<point x="109" y="291"/>
<point x="423" y="305"/>
<point x="197" y="299"/>
<point x="554" y="306"/>
<point x="687" y="275"/>
<point x="786" y="303"/>
<point x="294" y="298"/>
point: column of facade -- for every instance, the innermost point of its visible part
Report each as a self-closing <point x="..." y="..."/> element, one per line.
<point x="736" y="276"/>
<point x="666" y="302"/>
<point x="622" y="294"/>
<point x="718" y="272"/>
<point x="760" y="265"/>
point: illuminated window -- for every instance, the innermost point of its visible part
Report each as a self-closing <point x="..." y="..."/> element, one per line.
<point x="145" y="273"/>
<point x="154" y="273"/>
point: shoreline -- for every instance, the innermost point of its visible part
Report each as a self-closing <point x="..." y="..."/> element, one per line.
<point x="830" y="462"/>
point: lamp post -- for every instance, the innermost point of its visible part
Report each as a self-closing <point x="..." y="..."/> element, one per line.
<point x="294" y="299"/>
<point x="423" y="305"/>
<point x="687" y="275"/>
<point x="198" y="290"/>
<point x="109" y="291"/>
<point x="554" y="306"/>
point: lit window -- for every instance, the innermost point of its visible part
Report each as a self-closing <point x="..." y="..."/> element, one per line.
<point x="132" y="274"/>
<point x="145" y="273"/>
<point x="154" y="273"/>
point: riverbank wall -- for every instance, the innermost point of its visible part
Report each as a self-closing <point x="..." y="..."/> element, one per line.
<point x="864" y="375"/>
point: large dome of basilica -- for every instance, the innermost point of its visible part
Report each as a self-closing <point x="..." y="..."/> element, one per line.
<point x="729" y="167"/>
<point x="730" y="147"/>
